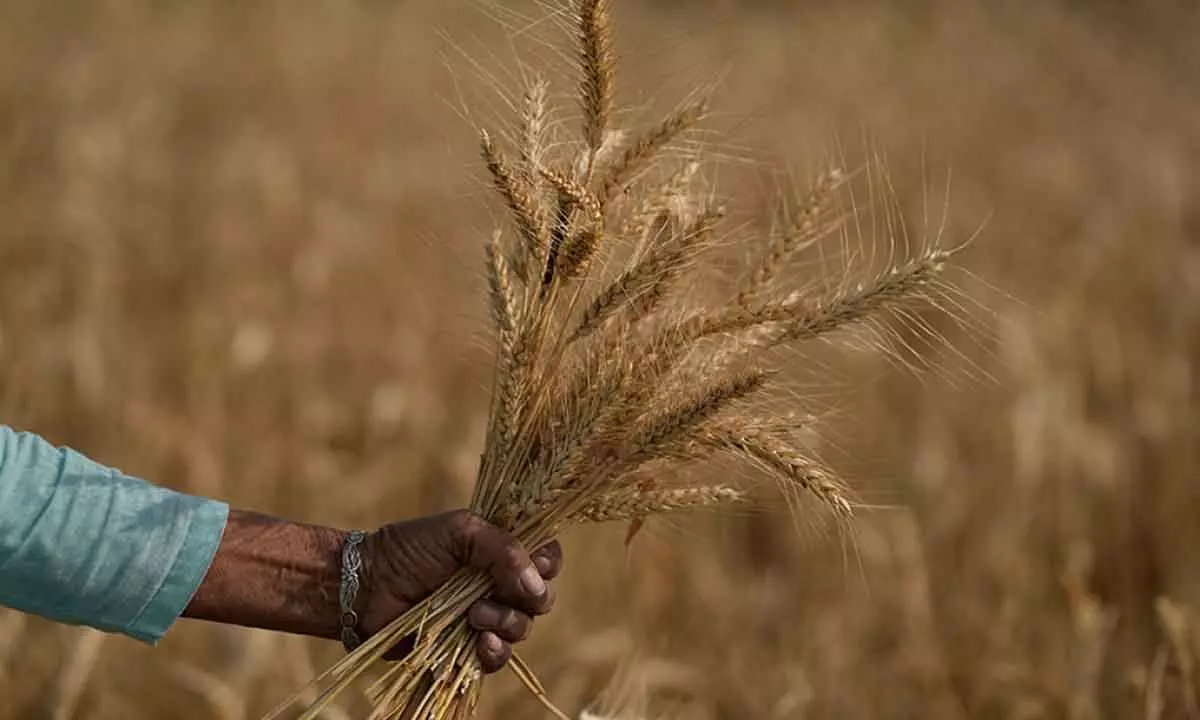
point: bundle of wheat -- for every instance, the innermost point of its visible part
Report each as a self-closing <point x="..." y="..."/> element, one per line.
<point x="600" y="379"/>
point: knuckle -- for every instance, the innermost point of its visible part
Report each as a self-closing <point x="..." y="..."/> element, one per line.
<point x="465" y="528"/>
<point x="515" y="625"/>
<point x="465" y="523"/>
<point x="493" y="652"/>
<point x="513" y="556"/>
<point x="477" y="616"/>
<point x="524" y="627"/>
<point x="552" y="559"/>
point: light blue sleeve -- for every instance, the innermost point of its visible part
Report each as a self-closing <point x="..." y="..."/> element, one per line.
<point x="84" y="544"/>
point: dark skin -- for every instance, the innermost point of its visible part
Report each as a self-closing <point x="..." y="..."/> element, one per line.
<point x="284" y="576"/>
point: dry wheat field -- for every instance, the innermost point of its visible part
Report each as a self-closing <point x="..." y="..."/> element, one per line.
<point x="244" y="252"/>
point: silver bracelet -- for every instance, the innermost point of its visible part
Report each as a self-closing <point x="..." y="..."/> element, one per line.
<point x="351" y="564"/>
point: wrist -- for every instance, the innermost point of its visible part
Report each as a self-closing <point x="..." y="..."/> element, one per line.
<point x="324" y="603"/>
<point x="274" y="575"/>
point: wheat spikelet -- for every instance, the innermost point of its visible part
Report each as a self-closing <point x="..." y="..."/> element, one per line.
<point x="627" y="285"/>
<point x="505" y="314"/>
<point x="800" y="318"/>
<point x="577" y="251"/>
<point x="897" y="284"/>
<point x="569" y="252"/>
<point x="577" y="195"/>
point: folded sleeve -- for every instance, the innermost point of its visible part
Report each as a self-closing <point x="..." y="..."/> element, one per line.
<point x="84" y="544"/>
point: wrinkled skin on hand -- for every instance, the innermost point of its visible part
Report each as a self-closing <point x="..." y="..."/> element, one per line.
<point x="405" y="562"/>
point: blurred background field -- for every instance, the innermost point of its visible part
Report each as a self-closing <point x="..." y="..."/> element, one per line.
<point x="240" y="255"/>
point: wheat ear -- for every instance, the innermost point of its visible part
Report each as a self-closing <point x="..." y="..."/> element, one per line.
<point x="784" y="461"/>
<point x="522" y="204"/>
<point x="647" y="146"/>
<point x="597" y="65"/>
<point x="621" y="507"/>
<point x="533" y="133"/>
<point x="637" y="290"/>
<point x="807" y="227"/>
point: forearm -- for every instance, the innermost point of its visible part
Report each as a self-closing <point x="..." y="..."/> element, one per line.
<point x="83" y="543"/>
<point x="273" y="574"/>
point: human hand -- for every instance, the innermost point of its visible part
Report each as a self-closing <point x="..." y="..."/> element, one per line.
<point x="405" y="562"/>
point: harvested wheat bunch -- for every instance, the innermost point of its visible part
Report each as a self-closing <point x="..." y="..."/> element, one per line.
<point x="600" y="376"/>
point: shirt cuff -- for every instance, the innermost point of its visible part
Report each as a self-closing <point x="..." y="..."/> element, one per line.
<point x="205" y="530"/>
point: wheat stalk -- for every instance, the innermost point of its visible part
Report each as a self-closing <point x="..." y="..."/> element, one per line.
<point x="594" y="375"/>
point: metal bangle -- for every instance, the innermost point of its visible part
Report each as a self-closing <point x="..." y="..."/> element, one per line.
<point x="351" y="565"/>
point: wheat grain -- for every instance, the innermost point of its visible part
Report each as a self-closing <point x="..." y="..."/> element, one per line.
<point x="799" y="318"/>
<point x="661" y="428"/>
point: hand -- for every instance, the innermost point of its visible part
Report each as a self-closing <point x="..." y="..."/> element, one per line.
<point x="405" y="562"/>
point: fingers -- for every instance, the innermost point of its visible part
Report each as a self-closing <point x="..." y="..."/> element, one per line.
<point x="518" y="580"/>
<point x="548" y="560"/>
<point x="510" y="624"/>
<point x="499" y="627"/>
<point x="522" y="591"/>
<point x="493" y="652"/>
